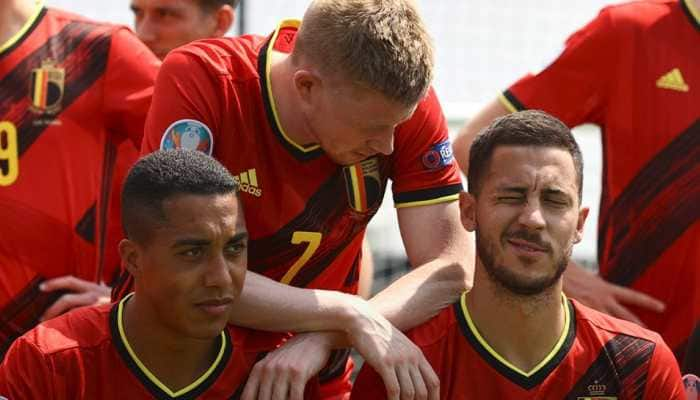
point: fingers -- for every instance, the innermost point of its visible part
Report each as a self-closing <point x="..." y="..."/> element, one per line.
<point x="639" y="299"/>
<point x="406" y="383"/>
<point x="419" y="387"/>
<point x="251" y="386"/>
<point x="67" y="302"/>
<point x="72" y="284"/>
<point x="391" y="383"/>
<point x="618" y="310"/>
<point x="431" y="380"/>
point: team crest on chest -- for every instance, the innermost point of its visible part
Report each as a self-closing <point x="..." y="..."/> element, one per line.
<point x="597" y="392"/>
<point x="364" y="185"/>
<point x="188" y="134"/>
<point x="46" y="88"/>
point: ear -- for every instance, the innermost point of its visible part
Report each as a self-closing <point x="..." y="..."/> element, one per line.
<point x="467" y="211"/>
<point x="307" y="85"/>
<point x="225" y="17"/>
<point x="582" y="215"/>
<point x="131" y="256"/>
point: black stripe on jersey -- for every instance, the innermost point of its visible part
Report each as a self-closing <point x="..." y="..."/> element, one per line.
<point x="689" y="14"/>
<point x="86" y="226"/>
<point x="427" y="194"/>
<point x="22" y="312"/>
<point x="147" y="383"/>
<point x="667" y="194"/>
<point x="335" y="367"/>
<point x="621" y="369"/>
<point x="267" y="102"/>
<point x="81" y="48"/>
<point x="525" y="382"/>
<point x="513" y="100"/>
<point x="29" y="31"/>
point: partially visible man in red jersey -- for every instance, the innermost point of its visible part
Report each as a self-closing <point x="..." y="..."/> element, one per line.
<point x="314" y="120"/>
<point x="515" y="335"/>
<point x="72" y="91"/>
<point x="631" y="71"/>
<point x="186" y="247"/>
<point x="166" y="24"/>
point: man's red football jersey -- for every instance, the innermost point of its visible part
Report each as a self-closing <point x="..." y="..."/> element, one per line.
<point x="633" y="72"/>
<point x="85" y="355"/>
<point x="596" y="357"/>
<point x="72" y="90"/>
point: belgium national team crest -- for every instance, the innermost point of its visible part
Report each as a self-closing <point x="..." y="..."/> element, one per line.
<point x="46" y="89"/>
<point x="364" y="184"/>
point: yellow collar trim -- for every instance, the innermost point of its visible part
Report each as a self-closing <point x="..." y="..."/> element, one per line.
<point x="691" y="7"/>
<point x="501" y="359"/>
<point x="148" y="373"/>
<point x="287" y="23"/>
<point x="39" y="5"/>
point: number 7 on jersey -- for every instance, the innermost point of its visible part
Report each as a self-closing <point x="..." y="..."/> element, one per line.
<point x="299" y="237"/>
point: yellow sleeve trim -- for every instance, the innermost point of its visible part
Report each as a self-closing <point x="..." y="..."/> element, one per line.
<point x="506" y="103"/>
<point x="17" y="36"/>
<point x="439" y="200"/>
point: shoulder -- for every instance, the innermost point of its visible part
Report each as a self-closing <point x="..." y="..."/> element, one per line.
<point x="603" y="325"/>
<point x="435" y="330"/>
<point x="638" y="14"/>
<point x="80" y="328"/>
<point x="229" y="56"/>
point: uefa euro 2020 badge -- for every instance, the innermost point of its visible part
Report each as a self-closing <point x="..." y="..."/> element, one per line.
<point x="691" y="383"/>
<point x="188" y="134"/>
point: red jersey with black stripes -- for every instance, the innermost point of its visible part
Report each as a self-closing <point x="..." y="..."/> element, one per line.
<point x="306" y="215"/>
<point x="72" y="90"/>
<point x="596" y="357"/>
<point x="85" y="355"/>
<point x="633" y="72"/>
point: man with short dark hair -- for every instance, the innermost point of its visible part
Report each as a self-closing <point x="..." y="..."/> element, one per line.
<point x="186" y="248"/>
<point x="515" y="335"/>
<point x="166" y="24"/>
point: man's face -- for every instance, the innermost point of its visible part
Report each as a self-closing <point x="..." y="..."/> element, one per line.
<point x="192" y="268"/>
<point x="527" y="217"/>
<point x="166" y="24"/>
<point x="351" y="123"/>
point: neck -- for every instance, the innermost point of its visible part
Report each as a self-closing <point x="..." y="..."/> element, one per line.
<point x="522" y="329"/>
<point x="13" y="15"/>
<point x="176" y="360"/>
<point x="286" y="101"/>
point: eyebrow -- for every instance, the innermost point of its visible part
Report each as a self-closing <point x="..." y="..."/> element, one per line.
<point x="237" y="238"/>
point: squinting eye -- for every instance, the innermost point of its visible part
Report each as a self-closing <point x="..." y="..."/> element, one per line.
<point x="194" y="252"/>
<point x="236" y="248"/>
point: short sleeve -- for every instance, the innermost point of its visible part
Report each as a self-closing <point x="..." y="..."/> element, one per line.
<point x="423" y="169"/>
<point x="129" y="78"/>
<point x="187" y="104"/>
<point x="664" y="380"/>
<point x="575" y="86"/>
<point x="24" y="374"/>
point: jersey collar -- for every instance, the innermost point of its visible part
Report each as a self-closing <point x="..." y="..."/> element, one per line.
<point x="264" y="61"/>
<point x="26" y="29"/>
<point x="691" y="12"/>
<point x="539" y="373"/>
<point x="147" y="378"/>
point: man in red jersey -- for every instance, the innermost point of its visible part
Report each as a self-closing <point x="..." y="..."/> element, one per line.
<point x="186" y="248"/>
<point x="515" y="335"/>
<point x="72" y="91"/>
<point x="630" y="72"/>
<point x="313" y="121"/>
<point x="166" y="24"/>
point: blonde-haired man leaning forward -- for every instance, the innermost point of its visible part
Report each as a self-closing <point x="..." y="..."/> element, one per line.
<point x="313" y="120"/>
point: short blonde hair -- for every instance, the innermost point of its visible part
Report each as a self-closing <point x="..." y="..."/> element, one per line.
<point x="381" y="44"/>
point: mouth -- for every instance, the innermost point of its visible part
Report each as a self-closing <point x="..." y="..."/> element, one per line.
<point x="215" y="307"/>
<point x="527" y="247"/>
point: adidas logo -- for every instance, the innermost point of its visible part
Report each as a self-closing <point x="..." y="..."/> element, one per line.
<point x="248" y="182"/>
<point x="673" y="80"/>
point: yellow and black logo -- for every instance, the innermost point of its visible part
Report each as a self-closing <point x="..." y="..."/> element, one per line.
<point x="46" y="89"/>
<point x="248" y="182"/>
<point x="364" y="185"/>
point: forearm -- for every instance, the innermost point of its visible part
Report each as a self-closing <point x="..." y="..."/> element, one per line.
<point x="268" y="305"/>
<point x="423" y="292"/>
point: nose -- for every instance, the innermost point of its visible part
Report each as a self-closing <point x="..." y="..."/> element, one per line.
<point x="145" y="30"/>
<point x="384" y="145"/>
<point x="531" y="216"/>
<point x="218" y="272"/>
